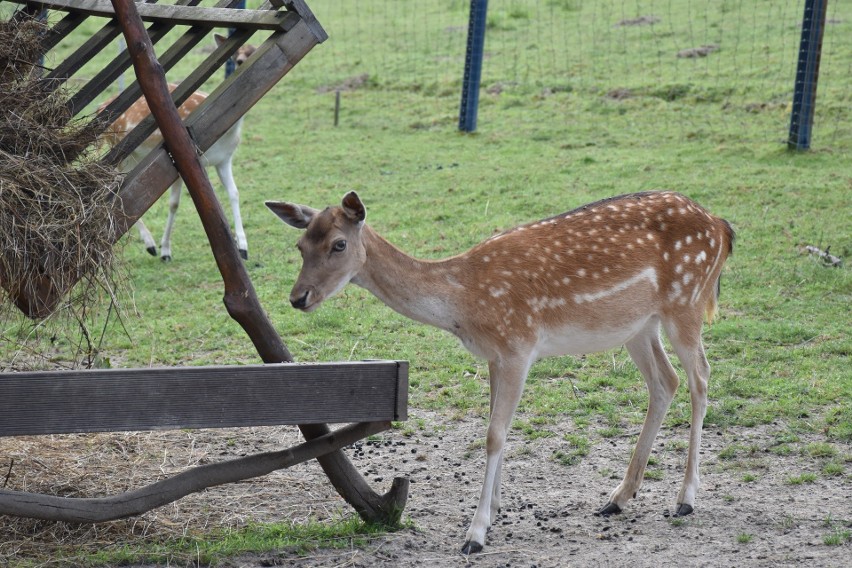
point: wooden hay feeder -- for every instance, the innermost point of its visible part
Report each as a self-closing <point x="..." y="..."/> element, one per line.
<point x="369" y="394"/>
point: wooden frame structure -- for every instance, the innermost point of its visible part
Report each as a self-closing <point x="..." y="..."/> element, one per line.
<point x="371" y="394"/>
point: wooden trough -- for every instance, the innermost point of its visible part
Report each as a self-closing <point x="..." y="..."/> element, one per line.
<point x="369" y="394"/>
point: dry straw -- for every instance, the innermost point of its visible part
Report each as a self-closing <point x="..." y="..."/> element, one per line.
<point x="56" y="199"/>
<point x="57" y="227"/>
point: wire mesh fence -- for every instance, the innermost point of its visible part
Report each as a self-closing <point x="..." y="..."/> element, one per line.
<point x="674" y="69"/>
<point x="584" y="71"/>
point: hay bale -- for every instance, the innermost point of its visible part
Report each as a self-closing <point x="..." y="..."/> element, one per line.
<point x="56" y="200"/>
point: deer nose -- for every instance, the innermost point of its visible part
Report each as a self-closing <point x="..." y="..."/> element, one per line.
<point x="301" y="302"/>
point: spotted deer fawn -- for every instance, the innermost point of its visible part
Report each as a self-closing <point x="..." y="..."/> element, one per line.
<point x="220" y="155"/>
<point x="607" y="274"/>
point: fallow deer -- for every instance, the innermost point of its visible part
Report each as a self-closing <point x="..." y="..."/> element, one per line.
<point x="220" y="155"/>
<point x="607" y="274"/>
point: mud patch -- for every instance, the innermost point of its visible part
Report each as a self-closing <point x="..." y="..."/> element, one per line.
<point x="696" y="52"/>
<point x="640" y="21"/>
<point x="348" y="84"/>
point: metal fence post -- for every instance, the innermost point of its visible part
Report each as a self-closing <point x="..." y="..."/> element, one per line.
<point x="807" y="74"/>
<point x="473" y="65"/>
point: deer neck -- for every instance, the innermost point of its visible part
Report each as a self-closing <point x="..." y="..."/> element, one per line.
<point x="424" y="290"/>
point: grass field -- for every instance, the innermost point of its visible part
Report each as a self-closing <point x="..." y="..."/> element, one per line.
<point x="551" y="137"/>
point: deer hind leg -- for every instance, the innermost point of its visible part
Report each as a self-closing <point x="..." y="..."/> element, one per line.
<point x="507" y="381"/>
<point x="647" y="352"/>
<point x="685" y="338"/>
<point x="226" y="175"/>
<point x="147" y="238"/>
<point x="174" y="201"/>
<point x="494" y="387"/>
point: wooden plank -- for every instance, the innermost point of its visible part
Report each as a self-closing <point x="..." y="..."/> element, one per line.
<point x="301" y="8"/>
<point x="402" y="392"/>
<point x="58" y="402"/>
<point x="178" y="15"/>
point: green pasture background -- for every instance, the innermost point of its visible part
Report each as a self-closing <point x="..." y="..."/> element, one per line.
<point x="575" y="107"/>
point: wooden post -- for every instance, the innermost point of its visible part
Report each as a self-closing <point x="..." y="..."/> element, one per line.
<point x="240" y="298"/>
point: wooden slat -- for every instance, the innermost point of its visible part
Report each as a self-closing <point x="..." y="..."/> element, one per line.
<point x="57" y="402"/>
<point x="189" y="85"/>
<point x="104" y="78"/>
<point x="234" y="97"/>
<point x="74" y="62"/>
<point x="301" y="8"/>
<point x="178" y="15"/>
<point x="59" y="31"/>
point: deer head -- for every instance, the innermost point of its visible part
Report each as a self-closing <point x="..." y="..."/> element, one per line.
<point x="331" y="248"/>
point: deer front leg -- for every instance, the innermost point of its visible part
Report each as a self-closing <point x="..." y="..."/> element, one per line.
<point x="226" y="175"/>
<point x="647" y="352"/>
<point x="174" y="202"/>
<point x="147" y="238"/>
<point x="507" y="380"/>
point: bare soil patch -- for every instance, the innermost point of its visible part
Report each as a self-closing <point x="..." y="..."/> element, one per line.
<point x="547" y="517"/>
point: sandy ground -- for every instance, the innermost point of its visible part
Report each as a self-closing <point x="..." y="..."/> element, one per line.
<point x="547" y="517"/>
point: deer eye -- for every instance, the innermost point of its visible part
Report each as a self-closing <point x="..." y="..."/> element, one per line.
<point x="338" y="246"/>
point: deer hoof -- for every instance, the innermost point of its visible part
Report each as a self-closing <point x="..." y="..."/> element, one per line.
<point x="152" y="251"/>
<point x="166" y="258"/>
<point x="683" y="509"/>
<point x="244" y="254"/>
<point x="471" y="547"/>
<point x="607" y="510"/>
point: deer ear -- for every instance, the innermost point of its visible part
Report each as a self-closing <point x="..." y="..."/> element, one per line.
<point x="354" y="208"/>
<point x="298" y="216"/>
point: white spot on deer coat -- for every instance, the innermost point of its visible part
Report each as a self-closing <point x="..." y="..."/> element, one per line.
<point x="648" y="274"/>
<point x="676" y="290"/>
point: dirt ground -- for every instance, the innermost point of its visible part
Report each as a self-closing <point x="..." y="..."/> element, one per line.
<point x="547" y="517"/>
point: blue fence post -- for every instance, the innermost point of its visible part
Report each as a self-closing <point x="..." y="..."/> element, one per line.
<point x="807" y="74"/>
<point x="41" y="18"/>
<point x="230" y="65"/>
<point x="473" y="65"/>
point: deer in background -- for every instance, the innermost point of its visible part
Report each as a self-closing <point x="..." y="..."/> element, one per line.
<point x="607" y="274"/>
<point x="220" y="155"/>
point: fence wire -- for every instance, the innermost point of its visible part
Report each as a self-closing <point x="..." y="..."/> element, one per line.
<point x="697" y="69"/>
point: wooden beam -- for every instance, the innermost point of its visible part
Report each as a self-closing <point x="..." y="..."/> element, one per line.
<point x="129" y="503"/>
<point x="177" y="15"/>
<point x="113" y="400"/>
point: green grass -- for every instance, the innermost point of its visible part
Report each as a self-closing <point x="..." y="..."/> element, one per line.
<point x="549" y="139"/>
<point x="837" y="537"/>
<point x="211" y="548"/>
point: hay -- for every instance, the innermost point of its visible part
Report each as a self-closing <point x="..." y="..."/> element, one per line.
<point x="56" y="200"/>
<point x="89" y="465"/>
